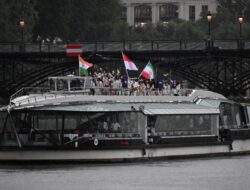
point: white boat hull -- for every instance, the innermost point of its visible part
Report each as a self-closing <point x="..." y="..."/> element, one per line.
<point x="239" y="146"/>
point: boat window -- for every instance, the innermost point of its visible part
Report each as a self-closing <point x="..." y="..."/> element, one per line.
<point x="49" y="128"/>
<point x="45" y="121"/>
<point x="229" y="115"/>
<point x="108" y="122"/>
<point x="6" y="131"/>
<point x="3" y="116"/>
<point x="184" y="124"/>
<point x="89" y="83"/>
<point x="77" y="84"/>
<point x="52" y="86"/>
<point x="248" y="113"/>
<point x="105" y="122"/>
<point x="62" y="85"/>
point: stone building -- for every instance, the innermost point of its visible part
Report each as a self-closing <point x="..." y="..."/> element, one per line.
<point x="140" y="12"/>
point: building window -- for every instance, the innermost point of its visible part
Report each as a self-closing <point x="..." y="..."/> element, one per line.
<point x="124" y="13"/>
<point x="143" y="15"/>
<point x="192" y="13"/>
<point x="204" y="10"/>
<point x="168" y="12"/>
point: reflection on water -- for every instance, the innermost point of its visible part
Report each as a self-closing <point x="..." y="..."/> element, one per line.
<point x="231" y="173"/>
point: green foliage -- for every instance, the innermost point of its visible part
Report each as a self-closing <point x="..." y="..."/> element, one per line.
<point x="99" y="20"/>
<point x="77" y="20"/>
<point x="11" y="12"/>
<point x="54" y="17"/>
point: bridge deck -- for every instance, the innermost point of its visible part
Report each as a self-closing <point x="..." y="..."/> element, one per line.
<point x="154" y="45"/>
<point x="223" y="66"/>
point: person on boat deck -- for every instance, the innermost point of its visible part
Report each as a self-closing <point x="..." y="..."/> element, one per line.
<point x="99" y="126"/>
<point x="160" y="85"/>
<point x="125" y="82"/>
<point x="116" y="127"/>
<point x="105" y="126"/>
<point x="135" y="87"/>
<point x="142" y="88"/>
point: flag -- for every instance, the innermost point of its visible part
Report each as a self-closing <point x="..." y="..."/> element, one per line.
<point x="73" y="50"/>
<point x="129" y="65"/>
<point x="148" y="72"/>
<point x="83" y="66"/>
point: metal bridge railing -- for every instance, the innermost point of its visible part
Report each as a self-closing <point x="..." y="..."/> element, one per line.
<point x="153" y="45"/>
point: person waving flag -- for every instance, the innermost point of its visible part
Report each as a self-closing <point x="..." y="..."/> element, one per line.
<point x="83" y="66"/>
<point x="129" y="65"/>
<point x="148" y="72"/>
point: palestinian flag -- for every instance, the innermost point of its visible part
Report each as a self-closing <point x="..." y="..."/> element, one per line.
<point x="148" y="72"/>
<point x="83" y="67"/>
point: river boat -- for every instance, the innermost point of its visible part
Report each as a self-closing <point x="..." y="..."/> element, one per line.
<point x="72" y="120"/>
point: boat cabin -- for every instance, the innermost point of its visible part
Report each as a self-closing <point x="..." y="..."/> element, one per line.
<point x="109" y="124"/>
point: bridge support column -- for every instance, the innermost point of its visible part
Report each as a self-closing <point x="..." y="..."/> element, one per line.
<point x="130" y="14"/>
<point x="181" y="11"/>
<point x="155" y="13"/>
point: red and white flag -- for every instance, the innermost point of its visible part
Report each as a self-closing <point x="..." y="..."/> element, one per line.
<point x="129" y="65"/>
<point x="73" y="50"/>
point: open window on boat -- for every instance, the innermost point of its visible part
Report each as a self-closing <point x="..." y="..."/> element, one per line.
<point x="70" y="83"/>
<point x="8" y="132"/>
<point x="230" y="115"/>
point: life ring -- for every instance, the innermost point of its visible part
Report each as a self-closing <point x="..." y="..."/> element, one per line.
<point x="96" y="142"/>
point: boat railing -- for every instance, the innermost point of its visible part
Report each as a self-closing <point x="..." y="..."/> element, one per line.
<point x="29" y="95"/>
<point x="133" y="92"/>
<point x="27" y="91"/>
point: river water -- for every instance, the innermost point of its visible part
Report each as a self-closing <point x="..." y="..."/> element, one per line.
<point x="227" y="173"/>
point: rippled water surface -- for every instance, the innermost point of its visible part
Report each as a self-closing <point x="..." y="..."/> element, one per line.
<point x="230" y="173"/>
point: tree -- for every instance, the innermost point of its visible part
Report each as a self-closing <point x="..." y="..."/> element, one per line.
<point x="10" y="15"/>
<point x="237" y="7"/>
<point x="4" y="20"/>
<point x="77" y="20"/>
<point x="93" y="20"/>
<point x="54" y="19"/>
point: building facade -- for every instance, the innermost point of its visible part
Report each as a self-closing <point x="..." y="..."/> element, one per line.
<point x="140" y="12"/>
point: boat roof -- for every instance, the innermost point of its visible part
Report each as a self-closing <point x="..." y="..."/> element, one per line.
<point x="146" y="108"/>
<point x="41" y="99"/>
<point x="70" y="77"/>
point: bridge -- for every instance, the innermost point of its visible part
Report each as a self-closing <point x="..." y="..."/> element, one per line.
<point x="218" y="65"/>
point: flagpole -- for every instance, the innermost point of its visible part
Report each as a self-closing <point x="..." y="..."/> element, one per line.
<point x="78" y="66"/>
<point x="143" y="69"/>
<point x="127" y="72"/>
<point x="156" y="75"/>
<point x="170" y="73"/>
<point x="140" y="75"/>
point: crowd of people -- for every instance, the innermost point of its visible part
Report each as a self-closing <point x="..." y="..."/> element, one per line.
<point x="134" y="86"/>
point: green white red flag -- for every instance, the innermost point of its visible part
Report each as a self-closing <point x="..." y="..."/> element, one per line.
<point x="148" y="71"/>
